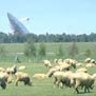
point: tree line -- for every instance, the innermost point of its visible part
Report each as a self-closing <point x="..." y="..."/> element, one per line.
<point x="18" y="38"/>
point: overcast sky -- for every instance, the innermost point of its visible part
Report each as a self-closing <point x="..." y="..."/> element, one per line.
<point x="52" y="16"/>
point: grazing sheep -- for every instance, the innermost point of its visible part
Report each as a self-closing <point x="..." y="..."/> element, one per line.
<point x="7" y="77"/>
<point x="12" y="70"/>
<point x="39" y="76"/>
<point x="52" y="70"/>
<point x="55" y="61"/>
<point x="79" y="64"/>
<point x="94" y="75"/>
<point x="22" y="67"/>
<point x="93" y="61"/>
<point x="4" y="79"/>
<point x="64" y="78"/>
<point x="82" y="69"/>
<point x="71" y="62"/>
<point x="61" y="67"/>
<point x="87" y="60"/>
<point x="2" y="69"/>
<point x="23" y="77"/>
<point x="3" y="83"/>
<point x="47" y="63"/>
<point x="88" y="65"/>
<point x="64" y="67"/>
<point x="60" y="61"/>
<point x="83" y="80"/>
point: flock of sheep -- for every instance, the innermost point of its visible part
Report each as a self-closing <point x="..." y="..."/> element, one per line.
<point x="67" y="72"/>
<point x="64" y="75"/>
<point x="7" y="76"/>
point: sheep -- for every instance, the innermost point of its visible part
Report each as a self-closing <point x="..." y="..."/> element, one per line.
<point x="82" y="69"/>
<point x="2" y="69"/>
<point x="94" y="75"/>
<point x="71" y="62"/>
<point x="39" y="76"/>
<point x="87" y="60"/>
<point x="79" y="65"/>
<point x="22" y="67"/>
<point x="4" y="79"/>
<point x="22" y="77"/>
<point x="90" y="65"/>
<point x="64" y="67"/>
<point x="60" y="61"/>
<point x="47" y="63"/>
<point x="11" y="70"/>
<point x="93" y="61"/>
<point x="90" y="62"/>
<point x="83" y="80"/>
<point x="7" y="77"/>
<point x="55" y="61"/>
<point x="75" y="80"/>
<point x="64" y="78"/>
<point x="3" y="83"/>
<point x="61" y="67"/>
<point x="52" y="70"/>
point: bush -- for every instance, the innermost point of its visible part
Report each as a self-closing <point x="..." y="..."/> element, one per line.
<point x="88" y="53"/>
<point x="30" y="49"/>
<point x="42" y="50"/>
<point x="60" y="51"/>
<point x="73" y="50"/>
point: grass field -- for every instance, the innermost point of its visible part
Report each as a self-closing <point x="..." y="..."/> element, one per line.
<point x="51" y="50"/>
<point x="43" y="87"/>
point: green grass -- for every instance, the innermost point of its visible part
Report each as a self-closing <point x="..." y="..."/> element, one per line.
<point x="42" y="87"/>
<point x="51" y="50"/>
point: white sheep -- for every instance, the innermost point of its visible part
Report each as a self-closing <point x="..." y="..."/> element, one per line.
<point x="22" y="77"/>
<point x="55" y="61"/>
<point x="60" y="61"/>
<point x="71" y="62"/>
<point x="47" y="63"/>
<point x="64" y="78"/>
<point x="82" y="69"/>
<point x="93" y="61"/>
<point x="21" y="67"/>
<point x="39" y="76"/>
<point x="52" y="70"/>
<point x="7" y="77"/>
<point x="83" y="80"/>
<point x="11" y="70"/>
<point x="79" y="65"/>
<point x="88" y="65"/>
<point x="87" y="60"/>
<point x="2" y="69"/>
<point x="64" y="67"/>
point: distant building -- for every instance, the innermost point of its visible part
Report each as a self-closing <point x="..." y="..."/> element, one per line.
<point x="17" y="26"/>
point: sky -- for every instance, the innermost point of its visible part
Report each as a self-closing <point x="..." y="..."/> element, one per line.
<point x="52" y="16"/>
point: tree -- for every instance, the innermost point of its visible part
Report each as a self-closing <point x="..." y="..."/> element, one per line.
<point x="42" y="50"/>
<point x="88" y="53"/>
<point x="60" y="51"/>
<point x="30" y="49"/>
<point x="73" y="50"/>
<point x="2" y="51"/>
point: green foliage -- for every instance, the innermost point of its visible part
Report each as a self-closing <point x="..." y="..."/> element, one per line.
<point x="87" y="53"/>
<point x="3" y="51"/>
<point x="30" y="49"/>
<point x="60" y="51"/>
<point x="51" y="49"/>
<point x="73" y="50"/>
<point x="42" y="50"/>
<point x="20" y="38"/>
